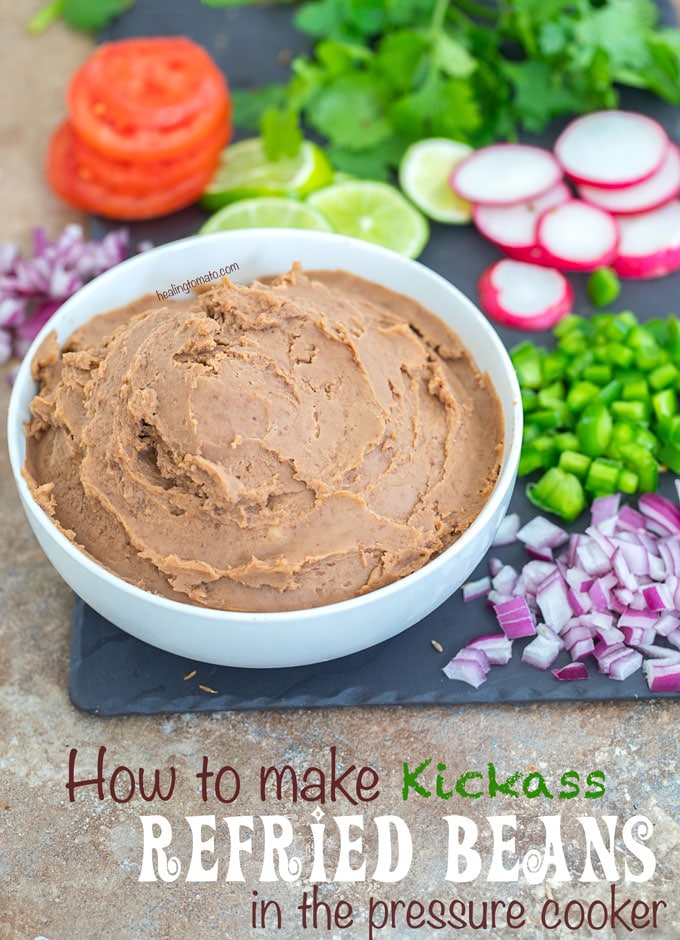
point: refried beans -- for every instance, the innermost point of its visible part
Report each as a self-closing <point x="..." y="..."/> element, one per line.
<point x="292" y="443"/>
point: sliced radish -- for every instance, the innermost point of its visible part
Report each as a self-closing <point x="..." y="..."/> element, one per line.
<point x="650" y="243"/>
<point x="577" y="236"/>
<point x="523" y="295"/>
<point x="655" y="191"/>
<point x="514" y="227"/>
<point x="533" y="254"/>
<point x="612" y="149"/>
<point x="505" y="174"/>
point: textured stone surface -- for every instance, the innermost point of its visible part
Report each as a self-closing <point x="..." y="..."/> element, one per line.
<point x="69" y="871"/>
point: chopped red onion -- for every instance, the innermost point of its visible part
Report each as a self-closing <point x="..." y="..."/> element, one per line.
<point x="579" y="601"/>
<point x="475" y="589"/>
<point x="553" y="601"/>
<point x="625" y="665"/>
<point x="465" y="670"/>
<point x="634" y="636"/>
<point x="623" y="572"/>
<point x="592" y="559"/>
<point x="657" y="597"/>
<point x="575" y="634"/>
<point x="542" y="533"/>
<point x="666" y="624"/>
<point x="541" y="652"/>
<point x="515" y="618"/>
<point x="541" y="554"/>
<point x="604" y="507"/>
<point x="613" y="593"/>
<point x="571" y="672"/>
<point x="652" y="651"/>
<point x="496" y="646"/>
<point x="661" y="511"/>
<point x="582" y="648"/>
<point x="662" y="677"/>
<point x="507" y="531"/>
<point x="609" y="636"/>
<point x="504" y="582"/>
<point x="535" y="573"/>
<point x="32" y="289"/>
<point x="606" y="655"/>
<point x="495" y="565"/>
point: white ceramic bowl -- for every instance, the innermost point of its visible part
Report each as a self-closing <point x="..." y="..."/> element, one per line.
<point x="297" y="637"/>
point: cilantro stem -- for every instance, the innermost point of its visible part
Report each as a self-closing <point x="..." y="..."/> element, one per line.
<point x="45" y="16"/>
<point x="479" y="10"/>
<point x="438" y="17"/>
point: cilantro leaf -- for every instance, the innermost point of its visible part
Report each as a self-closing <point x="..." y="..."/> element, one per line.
<point x="441" y="107"/>
<point x="377" y="162"/>
<point x="619" y="30"/>
<point x="90" y="15"/>
<point x="452" y="57"/>
<point x="83" y="15"/>
<point x="281" y="134"/>
<point x="401" y="57"/>
<point x="539" y="93"/>
<point x="384" y="73"/>
<point x="350" y="112"/>
<point x="250" y="104"/>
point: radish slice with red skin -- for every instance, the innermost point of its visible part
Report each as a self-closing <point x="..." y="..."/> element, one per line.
<point x="577" y="236"/>
<point x="524" y="296"/>
<point x="650" y="243"/>
<point x="514" y="227"/>
<point x="532" y="255"/>
<point x="651" y="193"/>
<point x="505" y="174"/>
<point x="611" y="149"/>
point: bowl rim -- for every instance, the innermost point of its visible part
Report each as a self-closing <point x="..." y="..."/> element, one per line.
<point x="15" y="435"/>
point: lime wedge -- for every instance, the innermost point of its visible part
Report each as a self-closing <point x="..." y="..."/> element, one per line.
<point x="244" y="172"/>
<point x="424" y="174"/>
<point x="375" y="212"/>
<point x="267" y="212"/>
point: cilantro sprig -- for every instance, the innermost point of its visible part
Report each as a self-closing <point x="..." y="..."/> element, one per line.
<point x="385" y="73"/>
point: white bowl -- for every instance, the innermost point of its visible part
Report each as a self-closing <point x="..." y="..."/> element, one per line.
<point x="294" y="637"/>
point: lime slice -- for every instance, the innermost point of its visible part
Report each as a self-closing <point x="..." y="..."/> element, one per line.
<point x="424" y="174"/>
<point x="375" y="212"/>
<point x="245" y="172"/>
<point x="267" y="212"/>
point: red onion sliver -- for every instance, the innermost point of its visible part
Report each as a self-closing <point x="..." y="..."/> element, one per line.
<point x="662" y="677"/>
<point x="553" y="602"/>
<point x="661" y="510"/>
<point x="625" y="665"/>
<point x="571" y="672"/>
<point x="496" y="646"/>
<point x="507" y="531"/>
<point x="613" y="592"/>
<point x="541" y="652"/>
<point x="465" y="670"/>
<point x="542" y="533"/>
<point x="604" y="507"/>
<point x="31" y="289"/>
<point x="475" y="589"/>
<point x="582" y="648"/>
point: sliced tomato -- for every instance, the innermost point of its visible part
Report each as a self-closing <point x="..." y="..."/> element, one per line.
<point x="154" y="82"/>
<point x="133" y="176"/>
<point x="148" y="99"/>
<point x="74" y="181"/>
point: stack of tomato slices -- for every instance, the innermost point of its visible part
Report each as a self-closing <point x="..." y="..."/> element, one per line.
<point x="148" y="118"/>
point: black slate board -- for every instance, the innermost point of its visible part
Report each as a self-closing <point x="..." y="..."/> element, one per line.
<point x="113" y="673"/>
